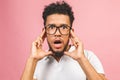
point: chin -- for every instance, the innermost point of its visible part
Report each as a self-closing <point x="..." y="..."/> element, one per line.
<point x="57" y="50"/>
<point x="58" y="53"/>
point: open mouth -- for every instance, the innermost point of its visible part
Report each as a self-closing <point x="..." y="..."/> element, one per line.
<point x="57" y="44"/>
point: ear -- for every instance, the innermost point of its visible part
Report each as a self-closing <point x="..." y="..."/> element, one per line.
<point x="45" y="32"/>
<point x="72" y="30"/>
<point x="43" y="29"/>
<point x="70" y="41"/>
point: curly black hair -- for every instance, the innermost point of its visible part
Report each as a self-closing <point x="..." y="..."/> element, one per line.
<point x="59" y="8"/>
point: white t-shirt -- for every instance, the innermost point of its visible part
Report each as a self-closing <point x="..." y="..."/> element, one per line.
<point x="66" y="69"/>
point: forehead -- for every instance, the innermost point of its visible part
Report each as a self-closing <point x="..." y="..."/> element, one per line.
<point x="58" y="19"/>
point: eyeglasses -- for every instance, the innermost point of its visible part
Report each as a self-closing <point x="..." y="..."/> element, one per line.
<point x="52" y="29"/>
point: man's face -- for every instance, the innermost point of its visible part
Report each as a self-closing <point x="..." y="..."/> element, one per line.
<point x="58" y="42"/>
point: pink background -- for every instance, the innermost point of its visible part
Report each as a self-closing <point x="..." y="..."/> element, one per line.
<point x="97" y="23"/>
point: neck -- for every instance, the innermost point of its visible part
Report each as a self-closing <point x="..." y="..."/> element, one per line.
<point x="57" y="58"/>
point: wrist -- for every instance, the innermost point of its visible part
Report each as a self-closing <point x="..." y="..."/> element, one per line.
<point x="33" y="59"/>
<point x="82" y="59"/>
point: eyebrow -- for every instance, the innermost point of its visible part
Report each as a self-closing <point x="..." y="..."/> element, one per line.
<point x="59" y="25"/>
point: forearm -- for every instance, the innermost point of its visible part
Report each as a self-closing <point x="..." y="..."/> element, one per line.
<point x="29" y="69"/>
<point x="89" y="70"/>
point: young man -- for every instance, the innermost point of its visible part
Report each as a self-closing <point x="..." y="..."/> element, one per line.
<point x="61" y="61"/>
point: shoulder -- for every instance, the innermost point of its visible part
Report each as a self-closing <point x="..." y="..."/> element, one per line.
<point x="94" y="60"/>
<point x="42" y="62"/>
<point x="89" y="53"/>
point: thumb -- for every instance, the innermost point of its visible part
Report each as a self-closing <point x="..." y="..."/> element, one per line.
<point x="48" y="53"/>
<point x="67" y="53"/>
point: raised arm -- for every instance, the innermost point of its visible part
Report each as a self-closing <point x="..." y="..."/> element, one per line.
<point x="79" y="56"/>
<point x="37" y="53"/>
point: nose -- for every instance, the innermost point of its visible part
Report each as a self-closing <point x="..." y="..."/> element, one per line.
<point x="57" y="33"/>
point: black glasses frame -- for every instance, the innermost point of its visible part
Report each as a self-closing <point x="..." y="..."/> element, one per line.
<point x="58" y="28"/>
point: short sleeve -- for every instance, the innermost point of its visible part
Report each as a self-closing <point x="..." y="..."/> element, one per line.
<point x="38" y="69"/>
<point x="95" y="62"/>
<point x="35" y="73"/>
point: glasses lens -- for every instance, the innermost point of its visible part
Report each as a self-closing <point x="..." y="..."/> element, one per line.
<point x="64" y="29"/>
<point x="51" y="29"/>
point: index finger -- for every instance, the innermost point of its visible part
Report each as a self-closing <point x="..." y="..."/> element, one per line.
<point x="42" y="35"/>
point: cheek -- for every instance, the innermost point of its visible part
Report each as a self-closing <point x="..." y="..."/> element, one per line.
<point x="66" y="39"/>
<point x="49" y="39"/>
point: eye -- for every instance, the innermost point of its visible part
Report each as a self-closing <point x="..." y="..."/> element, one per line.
<point x="51" y="26"/>
<point x="64" y="26"/>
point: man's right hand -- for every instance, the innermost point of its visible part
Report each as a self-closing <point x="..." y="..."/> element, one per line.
<point x="37" y="52"/>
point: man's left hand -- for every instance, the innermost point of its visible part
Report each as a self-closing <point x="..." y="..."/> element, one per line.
<point x="78" y="53"/>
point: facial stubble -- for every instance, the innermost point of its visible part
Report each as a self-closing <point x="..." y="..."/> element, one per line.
<point x="58" y="53"/>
